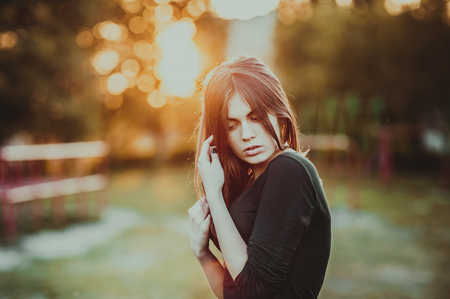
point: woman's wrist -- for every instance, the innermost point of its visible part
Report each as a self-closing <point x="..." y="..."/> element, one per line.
<point x="204" y="255"/>
<point x="213" y="193"/>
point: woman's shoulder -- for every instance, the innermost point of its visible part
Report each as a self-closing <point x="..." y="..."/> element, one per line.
<point x="289" y="163"/>
<point x="293" y="164"/>
<point x="290" y="159"/>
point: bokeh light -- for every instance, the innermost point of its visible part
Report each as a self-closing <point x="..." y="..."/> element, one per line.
<point x="156" y="99"/>
<point x="243" y="10"/>
<point x="344" y="3"/>
<point x="110" y="31"/>
<point x="163" y="12"/>
<point x="130" y="68"/>
<point x="393" y="7"/>
<point x="85" y="39"/>
<point x="143" y="50"/>
<point x="117" y="83"/>
<point x="396" y="7"/>
<point x="180" y="62"/>
<point x="287" y="15"/>
<point x="137" y="25"/>
<point x="8" y="40"/>
<point x="105" y="61"/>
<point x="146" y="83"/>
<point x="196" y="8"/>
<point x="132" y="6"/>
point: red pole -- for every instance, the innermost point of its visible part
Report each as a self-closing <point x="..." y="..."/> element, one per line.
<point x="385" y="155"/>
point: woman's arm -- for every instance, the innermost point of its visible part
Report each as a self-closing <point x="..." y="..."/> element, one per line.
<point x="213" y="270"/>
<point x="233" y="247"/>
<point x="200" y="220"/>
<point x="284" y="212"/>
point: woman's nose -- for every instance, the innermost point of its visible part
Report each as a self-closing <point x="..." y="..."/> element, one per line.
<point x="247" y="131"/>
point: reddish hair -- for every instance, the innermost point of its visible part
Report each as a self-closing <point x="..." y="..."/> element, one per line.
<point x="259" y="87"/>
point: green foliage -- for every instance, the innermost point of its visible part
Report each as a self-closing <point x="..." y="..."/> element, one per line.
<point x="49" y="89"/>
<point x="44" y="89"/>
<point x="400" y="60"/>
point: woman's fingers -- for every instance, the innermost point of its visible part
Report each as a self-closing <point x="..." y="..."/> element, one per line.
<point x="204" y="153"/>
<point x="199" y="211"/>
<point x="206" y="223"/>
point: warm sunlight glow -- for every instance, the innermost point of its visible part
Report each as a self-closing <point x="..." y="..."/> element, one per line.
<point x="105" y="61"/>
<point x="137" y="25"/>
<point x="156" y="99"/>
<point x="396" y="7"/>
<point x="8" y="40"/>
<point x="85" y="39"/>
<point x="132" y="6"/>
<point x="344" y="3"/>
<point x="196" y="8"/>
<point x="110" y="31"/>
<point x="393" y="7"/>
<point x="146" y="83"/>
<point x="163" y="12"/>
<point x="143" y="50"/>
<point x="180" y="62"/>
<point x="117" y="83"/>
<point x="113" y="101"/>
<point x="287" y="15"/>
<point x="130" y="68"/>
<point x="243" y="9"/>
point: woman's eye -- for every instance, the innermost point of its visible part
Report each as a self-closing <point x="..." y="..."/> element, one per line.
<point x="231" y="126"/>
<point x="254" y="118"/>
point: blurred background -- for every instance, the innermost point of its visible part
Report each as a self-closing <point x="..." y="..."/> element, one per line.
<point x="99" y="100"/>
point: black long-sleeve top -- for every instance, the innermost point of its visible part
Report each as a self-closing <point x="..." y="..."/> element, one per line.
<point x="284" y="219"/>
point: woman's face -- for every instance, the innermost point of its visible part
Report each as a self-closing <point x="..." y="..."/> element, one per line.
<point x="247" y="138"/>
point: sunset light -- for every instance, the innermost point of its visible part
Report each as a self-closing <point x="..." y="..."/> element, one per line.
<point x="243" y="10"/>
<point x="344" y="3"/>
<point x="110" y="31"/>
<point x="146" y="83"/>
<point x="104" y="62"/>
<point x="8" y="40"/>
<point x="143" y="50"/>
<point x="130" y="68"/>
<point x="117" y="83"/>
<point x="396" y="7"/>
<point x="180" y="62"/>
<point x="131" y="6"/>
<point x="137" y="25"/>
<point x="156" y="99"/>
<point x="85" y="39"/>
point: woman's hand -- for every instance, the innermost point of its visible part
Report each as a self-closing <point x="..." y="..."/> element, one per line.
<point x="199" y="219"/>
<point x="210" y="168"/>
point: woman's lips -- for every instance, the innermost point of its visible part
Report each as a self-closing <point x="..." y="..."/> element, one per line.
<point x="253" y="150"/>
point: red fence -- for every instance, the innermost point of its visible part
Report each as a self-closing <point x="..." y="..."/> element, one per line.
<point x="30" y="174"/>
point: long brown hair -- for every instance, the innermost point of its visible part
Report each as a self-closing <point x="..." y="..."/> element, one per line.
<point x="259" y="87"/>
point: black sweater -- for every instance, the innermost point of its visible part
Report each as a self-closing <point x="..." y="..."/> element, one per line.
<point x="285" y="221"/>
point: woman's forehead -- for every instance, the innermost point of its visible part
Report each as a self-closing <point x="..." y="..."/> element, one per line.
<point x="238" y="106"/>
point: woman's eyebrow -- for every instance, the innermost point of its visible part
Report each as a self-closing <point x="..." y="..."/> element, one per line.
<point x="234" y="119"/>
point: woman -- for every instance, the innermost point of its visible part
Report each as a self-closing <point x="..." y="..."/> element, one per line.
<point x="263" y="205"/>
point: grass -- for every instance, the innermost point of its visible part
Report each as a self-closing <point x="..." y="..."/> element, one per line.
<point x="395" y="246"/>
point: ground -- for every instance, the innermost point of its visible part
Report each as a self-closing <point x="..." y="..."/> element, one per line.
<point x="395" y="246"/>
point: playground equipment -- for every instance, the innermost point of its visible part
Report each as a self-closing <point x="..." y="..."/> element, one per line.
<point x="35" y="173"/>
<point x="331" y="144"/>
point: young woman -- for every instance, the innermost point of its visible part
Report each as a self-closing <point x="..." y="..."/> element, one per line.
<point x="263" y="205"/>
